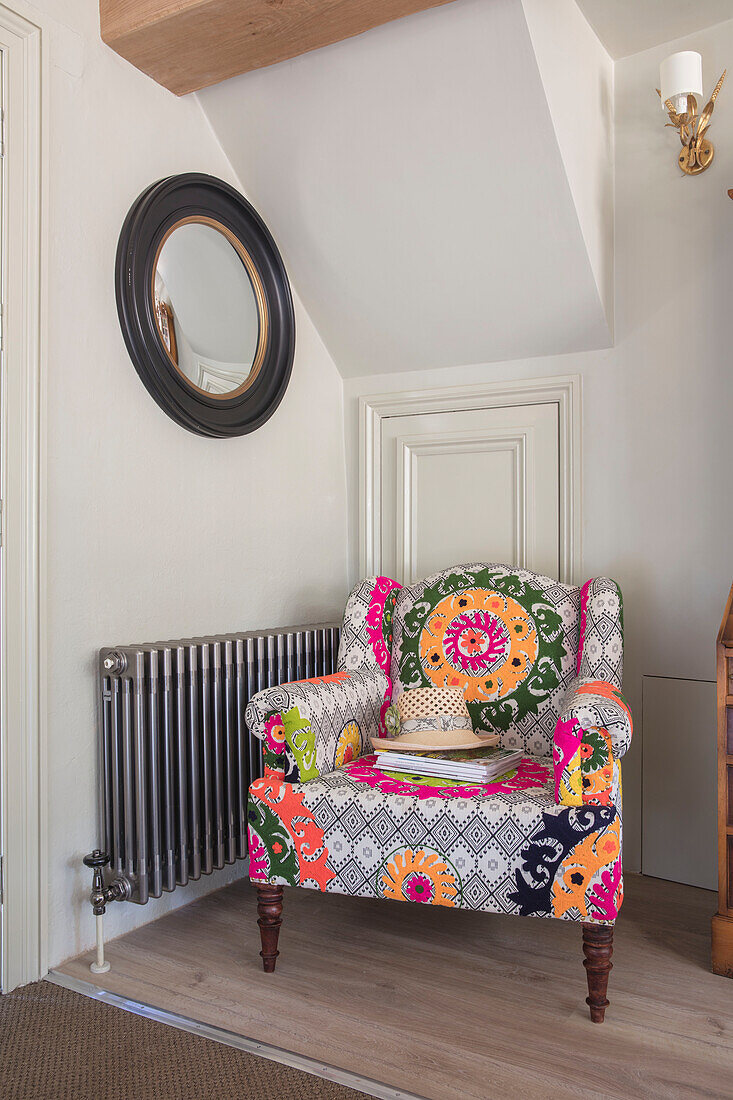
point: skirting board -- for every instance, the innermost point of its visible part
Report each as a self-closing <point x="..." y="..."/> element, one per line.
<point x="231" y="1039"/>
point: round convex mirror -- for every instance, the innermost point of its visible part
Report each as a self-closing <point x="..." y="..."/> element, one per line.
<point x="209" y="307"/>
<point x="204" y="305"/>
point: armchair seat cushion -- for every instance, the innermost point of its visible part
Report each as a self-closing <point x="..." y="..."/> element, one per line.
<point x="502" y="847"/>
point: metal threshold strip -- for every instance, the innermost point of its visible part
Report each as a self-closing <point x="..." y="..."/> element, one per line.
<point x="231" y="1039"/>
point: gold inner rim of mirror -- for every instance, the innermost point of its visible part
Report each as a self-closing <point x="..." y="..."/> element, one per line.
<point x="259" y="292"/>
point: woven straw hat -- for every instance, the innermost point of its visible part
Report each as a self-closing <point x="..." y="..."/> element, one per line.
<point x="434" y="718"/>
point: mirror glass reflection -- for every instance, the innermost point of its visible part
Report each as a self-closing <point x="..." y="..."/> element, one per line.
<point x="206" y="308"/>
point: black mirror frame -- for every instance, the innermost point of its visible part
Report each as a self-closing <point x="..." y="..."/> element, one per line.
<point x="150" y="218"/>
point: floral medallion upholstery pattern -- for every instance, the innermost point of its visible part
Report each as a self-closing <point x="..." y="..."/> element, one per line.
<point x="538" y="661"/>
<point x="419" y="874"/>
<point x="508" y="637"/>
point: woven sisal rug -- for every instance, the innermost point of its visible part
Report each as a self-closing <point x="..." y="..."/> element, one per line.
<point x="59" y="1045"/>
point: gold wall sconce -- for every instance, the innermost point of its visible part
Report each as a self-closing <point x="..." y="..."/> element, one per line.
<point x="681" y="79"/>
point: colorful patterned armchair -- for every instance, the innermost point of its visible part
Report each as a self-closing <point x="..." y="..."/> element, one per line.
<point x="540" y="662"/>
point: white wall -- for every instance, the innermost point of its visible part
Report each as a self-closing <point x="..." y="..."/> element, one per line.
<point x="657" y="511"/>
<point x="152" y="532"/>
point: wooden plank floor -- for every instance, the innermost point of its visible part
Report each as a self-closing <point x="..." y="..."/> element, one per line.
<point x="450" y="1004"/>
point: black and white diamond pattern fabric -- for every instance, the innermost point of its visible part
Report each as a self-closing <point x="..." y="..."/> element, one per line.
<point x="479" y="837"/>
<point x="601" y="648"/>
<point x="378" y="834"/>
<point x="355" y="651"/>
<point x="318" y="724"/>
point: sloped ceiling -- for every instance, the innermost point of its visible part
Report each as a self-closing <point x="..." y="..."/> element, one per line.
<point x="629" y="26"/>
<point x="414" y="182"/>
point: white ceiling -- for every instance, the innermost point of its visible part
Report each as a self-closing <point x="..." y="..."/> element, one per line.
<point x="629" y="26"/>
<point x="413" y="181"/>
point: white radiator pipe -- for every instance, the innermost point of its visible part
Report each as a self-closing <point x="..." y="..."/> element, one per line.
<point x="101" y="966"/>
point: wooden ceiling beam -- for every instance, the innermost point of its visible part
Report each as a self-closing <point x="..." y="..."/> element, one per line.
<point x="186" y="45"/>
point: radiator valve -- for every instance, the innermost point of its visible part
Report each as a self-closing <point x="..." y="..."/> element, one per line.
<point x="119" y="889"/>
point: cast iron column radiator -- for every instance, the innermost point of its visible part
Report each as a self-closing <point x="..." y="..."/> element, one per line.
<point x="176" y="759"/>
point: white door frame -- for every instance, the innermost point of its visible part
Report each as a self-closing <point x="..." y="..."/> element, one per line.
<point x="565" y="391"/>
<point x="22" y="737"/>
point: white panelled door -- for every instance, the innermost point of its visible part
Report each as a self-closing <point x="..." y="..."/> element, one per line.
<point x="473" y="485"/>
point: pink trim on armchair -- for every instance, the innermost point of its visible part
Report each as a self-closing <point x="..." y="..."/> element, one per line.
<point x="567" y="742"/>
<point x="374" y="618"/>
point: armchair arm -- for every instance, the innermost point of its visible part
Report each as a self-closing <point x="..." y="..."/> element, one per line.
<point x="593" y="731"/>
<point x="310" y="727"/>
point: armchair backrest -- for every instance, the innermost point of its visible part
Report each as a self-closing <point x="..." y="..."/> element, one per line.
<point x="509" y="638"/>
<point x="512" y="639"/>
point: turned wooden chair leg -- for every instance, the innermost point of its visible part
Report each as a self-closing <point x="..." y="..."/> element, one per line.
<point x="597" y="948"/>
<point x="269" y="910"/>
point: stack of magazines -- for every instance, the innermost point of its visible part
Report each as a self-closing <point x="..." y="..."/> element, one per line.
<point x="472" y="765"/>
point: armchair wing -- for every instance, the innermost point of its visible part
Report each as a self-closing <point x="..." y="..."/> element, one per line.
<point x="594" y="728"/>
<point x="601" y="643"/>
<point x="310" y="727"/>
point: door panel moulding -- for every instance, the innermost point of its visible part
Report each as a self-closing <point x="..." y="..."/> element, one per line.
<point x="457" y="442"/>
<point x="564" y="391"/>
